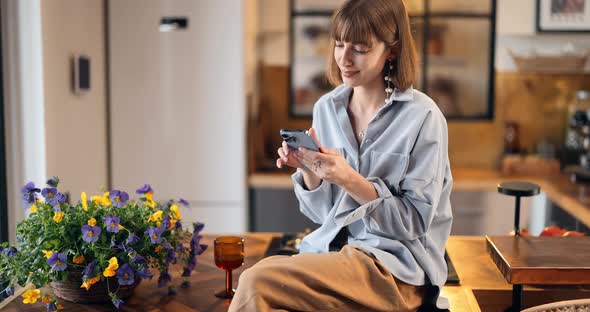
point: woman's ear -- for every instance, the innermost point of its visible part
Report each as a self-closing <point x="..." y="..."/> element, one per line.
<point x="393" y="50"/>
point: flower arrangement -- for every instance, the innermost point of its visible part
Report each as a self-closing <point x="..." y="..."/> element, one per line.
<point x="108" y="237"/>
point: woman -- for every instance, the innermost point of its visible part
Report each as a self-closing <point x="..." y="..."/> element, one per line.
<point x="379" y="187"/>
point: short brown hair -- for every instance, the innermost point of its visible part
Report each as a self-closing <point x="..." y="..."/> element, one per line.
<point x="360" y="21"/>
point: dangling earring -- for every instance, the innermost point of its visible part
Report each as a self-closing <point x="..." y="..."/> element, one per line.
<point x="389" y="80"/>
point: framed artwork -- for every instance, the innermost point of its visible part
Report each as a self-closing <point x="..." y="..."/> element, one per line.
<point x="563" y="16"/>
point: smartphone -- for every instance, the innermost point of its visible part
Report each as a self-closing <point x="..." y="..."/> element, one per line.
<point x="299" y="138"/>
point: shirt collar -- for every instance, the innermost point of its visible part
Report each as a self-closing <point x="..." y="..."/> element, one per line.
<point x="397" y="95"/>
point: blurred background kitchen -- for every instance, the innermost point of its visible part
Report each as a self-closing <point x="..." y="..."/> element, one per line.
<point x="189" y="96"/>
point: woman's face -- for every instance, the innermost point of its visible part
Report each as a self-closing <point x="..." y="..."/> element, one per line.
<point x="360" y="64"/>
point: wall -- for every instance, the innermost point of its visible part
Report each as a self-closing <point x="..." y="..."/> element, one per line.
<point x="536" y="101"/>
<point x="75" y="125"/>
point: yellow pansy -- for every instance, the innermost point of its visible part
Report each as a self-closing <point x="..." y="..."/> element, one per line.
<point x="159" y="248"/>
<point x="106" y="200"/>
<point x="150" y="200"/>
<point x="33" y="208"/>
<point x="102" y="200"/>
<point x="121" y="227"/>
<point x="175" y="212"/>
<point x="89" y="282"/>
<point x="46" y="299"/>
<point x="58" y="216"/>
<point x="113" y="266"/>
<point x="109" y="273"/>
<point x="31" y="296"/>
<point x="84" y="200"/>
<point x="38" y="202"/>
<point x="47" y="254"/>
<point x="157" y="216"/>
<point x="172" y="224"/>
<point x="92" y="222"/>
<point x="78" y="259"/>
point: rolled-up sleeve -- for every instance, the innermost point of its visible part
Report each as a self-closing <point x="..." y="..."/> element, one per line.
<point x="314" y="204"/>
<point x="405" y="212"/>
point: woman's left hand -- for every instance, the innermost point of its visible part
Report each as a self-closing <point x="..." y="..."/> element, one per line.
<point x="327" y="164"/>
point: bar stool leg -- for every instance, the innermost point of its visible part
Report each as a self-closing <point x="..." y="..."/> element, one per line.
<point x="517" y="217"/>
<point x="516" y="298"/>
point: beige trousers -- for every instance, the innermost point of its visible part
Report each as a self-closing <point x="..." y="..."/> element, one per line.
<point x="349" y="280"/>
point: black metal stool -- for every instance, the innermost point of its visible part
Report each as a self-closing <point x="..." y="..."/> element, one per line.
<point x="518" y="190"/>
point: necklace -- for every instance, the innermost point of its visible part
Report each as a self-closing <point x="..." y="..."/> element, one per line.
<point x="361" y="134"/>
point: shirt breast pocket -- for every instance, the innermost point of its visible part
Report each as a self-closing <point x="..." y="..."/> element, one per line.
<point x="390" y="167"/>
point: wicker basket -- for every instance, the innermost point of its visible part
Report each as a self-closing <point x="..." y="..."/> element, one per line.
<point x="70" y="289"/>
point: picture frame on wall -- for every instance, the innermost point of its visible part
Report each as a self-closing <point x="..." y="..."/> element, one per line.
<point x="572" y="16"/>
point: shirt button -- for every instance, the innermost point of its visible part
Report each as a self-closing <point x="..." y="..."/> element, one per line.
<point x="368" y="140"/>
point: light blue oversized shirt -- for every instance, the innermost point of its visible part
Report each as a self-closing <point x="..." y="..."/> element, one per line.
<point x="404" y="155"/>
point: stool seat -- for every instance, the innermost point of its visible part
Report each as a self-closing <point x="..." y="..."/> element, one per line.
<point x="517" y="188"/>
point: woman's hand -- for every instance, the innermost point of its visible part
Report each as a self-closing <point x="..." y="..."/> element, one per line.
<point x="327" y="164"/>
<point x="288" y="157"/>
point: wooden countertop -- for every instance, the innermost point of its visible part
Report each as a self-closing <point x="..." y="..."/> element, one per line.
<point x="482" y="286"/>
<point x="573" y="198"/>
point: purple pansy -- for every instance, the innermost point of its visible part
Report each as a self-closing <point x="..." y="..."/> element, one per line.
<point x="198" y="227"/>
<point x="53" y="181"/>
<point x="9" y="291"/>
<point x="28" y="191"/>
<point x="122" y="246"/>
<point x="90" y="233"/>
<point x="118" y="198"/>
<point x="145" y="274"/>
<point x="89" y="270"/>
<point x="112" y="223"/>
<point x="195" y="241"/>
<point x="132" y="239"/>
<point x="164" y="279"/>
<point x="58" y="261"/>
<point x="146" y="188"/>
<point x="138" y="259"/>
<point x="192" y="263"/>
<point x="165" y="223"/>
<point x="125" y="275"/>
<point x="51" y="307"/>
<point x="155" y="235"/>
<point x="10" y="252"/>
<point x="117" y="302"/>
<point x="186" y="272"/>
<point x="183" y="202"/>
<point x="49" y="194"/>
<point x="61" y="198"/>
